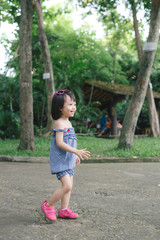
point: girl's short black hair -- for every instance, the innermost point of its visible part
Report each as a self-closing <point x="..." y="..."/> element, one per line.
<point x="58" y="103"/>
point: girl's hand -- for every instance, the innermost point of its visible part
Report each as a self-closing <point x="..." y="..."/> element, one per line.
<point x="83" y="153"/>
<point x="78" y="160"/>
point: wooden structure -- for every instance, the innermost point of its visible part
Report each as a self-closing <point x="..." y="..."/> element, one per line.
<point x="109" y="94"/>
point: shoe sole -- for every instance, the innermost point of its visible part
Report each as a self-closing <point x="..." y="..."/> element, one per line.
<point x="67" y="218"/>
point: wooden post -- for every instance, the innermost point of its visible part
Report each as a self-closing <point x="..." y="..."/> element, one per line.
<point x="113" y="119"/>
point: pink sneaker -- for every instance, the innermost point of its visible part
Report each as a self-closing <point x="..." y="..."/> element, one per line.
<point x="67" y="213"/>
<point x="49" y="211"/>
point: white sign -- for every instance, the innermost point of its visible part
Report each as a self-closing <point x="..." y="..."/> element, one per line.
<point x="46" y="75"/>
<point x="150" y="46"/>
<point x="150" y="85"/>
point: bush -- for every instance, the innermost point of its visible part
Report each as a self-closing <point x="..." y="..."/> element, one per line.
<point x="9" y="124"/>
<point x="143" y="120"/>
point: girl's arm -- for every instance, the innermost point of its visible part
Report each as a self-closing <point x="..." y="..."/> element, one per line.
<point x="82" y="153"/>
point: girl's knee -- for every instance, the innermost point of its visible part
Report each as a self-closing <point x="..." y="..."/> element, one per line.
<point x="67" y="187"/>
<point x="67" y="183"/>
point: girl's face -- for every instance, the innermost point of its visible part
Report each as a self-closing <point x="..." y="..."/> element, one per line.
<point x="69" y="107"/>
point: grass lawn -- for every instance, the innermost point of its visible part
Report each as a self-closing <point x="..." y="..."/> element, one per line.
<point x="99" y="147"/>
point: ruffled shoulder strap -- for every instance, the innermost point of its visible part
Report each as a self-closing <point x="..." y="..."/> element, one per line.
<point x="58" y="130"/>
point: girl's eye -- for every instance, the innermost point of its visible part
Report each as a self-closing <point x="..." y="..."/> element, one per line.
<point x="72" y="104"/>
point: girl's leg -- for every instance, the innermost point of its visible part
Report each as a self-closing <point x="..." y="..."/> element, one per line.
<point x="66" y="197"/>
<point x="59" y="193"/>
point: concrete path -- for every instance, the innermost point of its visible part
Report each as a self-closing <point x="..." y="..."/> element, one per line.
<point x="115" y="201"/>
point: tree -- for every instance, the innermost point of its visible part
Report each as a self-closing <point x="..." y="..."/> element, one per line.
<point x="133" y="111"/>
<point x="76" y="54"/>
<point x="118" y="31"/>
<point x="46" y="61"/>
<point x="154" y="122"/>
<point x="26" y="99"/>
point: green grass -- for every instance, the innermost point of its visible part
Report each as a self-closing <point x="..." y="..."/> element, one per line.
<point x="99" y="147"/>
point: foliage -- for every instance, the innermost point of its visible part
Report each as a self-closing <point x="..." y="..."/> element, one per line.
<point x="9" y="108"/>
<point x="83" y="113"/>
<point x="9" y="124"/>
<point x="99" y="5"/>
<point x="130" y="65"/>
<point x="143" y="120"/>
<point x="119" y="35"/>
<point x="141" y="5"/>
<point x="10" y="11"/>
<point x="77" y="55"/>
<point x="155" y="76"/>
<point x="121" y="109"/>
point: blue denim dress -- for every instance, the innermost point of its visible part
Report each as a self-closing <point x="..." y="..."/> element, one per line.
<point x="61" y="160"/>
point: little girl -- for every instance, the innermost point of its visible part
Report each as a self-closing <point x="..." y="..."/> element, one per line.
<point x="63" y="154"/>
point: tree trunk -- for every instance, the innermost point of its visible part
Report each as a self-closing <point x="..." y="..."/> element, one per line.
<point x="114" y="67"/>
<point x="26" y="98"/>
<point x="46" y="61"/>
<point x="153" y="116"/>
<point x="137" y="35"/>
<point x="154" y="123"/>
<point x="133" y="111"/>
